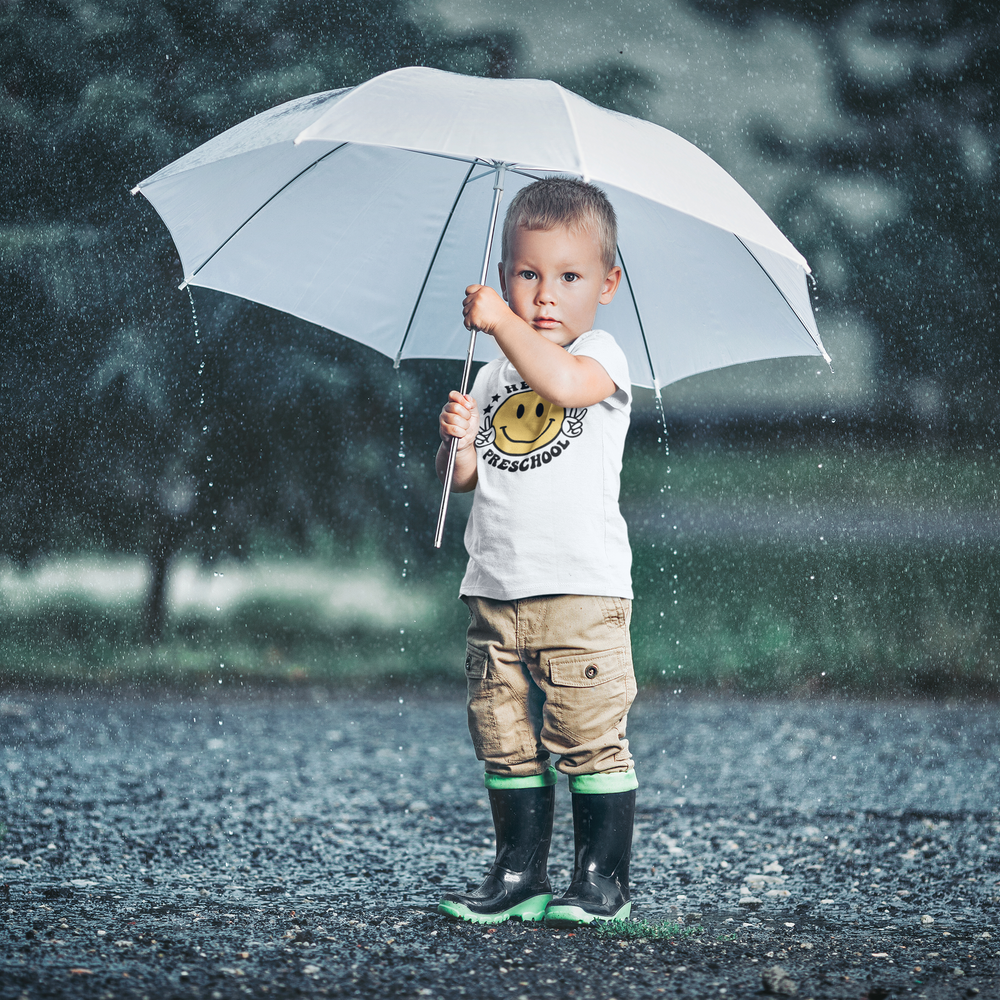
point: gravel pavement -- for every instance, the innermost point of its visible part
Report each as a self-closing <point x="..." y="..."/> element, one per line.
<point x="294" y="842"/>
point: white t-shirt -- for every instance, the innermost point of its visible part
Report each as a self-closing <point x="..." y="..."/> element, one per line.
<point x="545" y="517"/>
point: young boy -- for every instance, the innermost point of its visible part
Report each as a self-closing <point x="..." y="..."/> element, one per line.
<point x="548" y="583"/>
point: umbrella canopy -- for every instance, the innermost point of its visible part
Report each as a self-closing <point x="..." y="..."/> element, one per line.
<point x="365" y="210"/>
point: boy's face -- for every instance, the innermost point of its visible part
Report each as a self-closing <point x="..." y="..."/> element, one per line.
<point x="555" y="280"/>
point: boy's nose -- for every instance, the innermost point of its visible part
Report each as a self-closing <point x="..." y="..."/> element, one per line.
<point x="546" y="292"/>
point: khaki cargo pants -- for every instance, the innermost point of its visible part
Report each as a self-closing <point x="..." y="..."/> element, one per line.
<point x="550" y="675"/>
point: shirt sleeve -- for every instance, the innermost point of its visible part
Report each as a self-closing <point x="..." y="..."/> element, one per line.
<point x="479" y="382"/>
<point x="604" y="349"/>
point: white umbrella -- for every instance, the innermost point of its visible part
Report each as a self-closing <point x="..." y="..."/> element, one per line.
<point x="364" y="210"/>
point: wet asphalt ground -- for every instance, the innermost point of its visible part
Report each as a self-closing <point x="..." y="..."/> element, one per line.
<point x="294" y="843"/>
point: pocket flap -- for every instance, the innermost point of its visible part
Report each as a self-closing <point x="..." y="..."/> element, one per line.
<point x="475" y="663"/>
<point x="587" y="669"/>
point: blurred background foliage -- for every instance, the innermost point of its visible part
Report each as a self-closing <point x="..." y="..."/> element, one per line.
<point x="171" y="435"/>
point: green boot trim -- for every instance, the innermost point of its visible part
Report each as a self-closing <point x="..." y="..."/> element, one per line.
<point x="573" y="916"/>
<point x="530" y="910"/>
<point x="503" y="782"/>
<point x="603" y="783"/>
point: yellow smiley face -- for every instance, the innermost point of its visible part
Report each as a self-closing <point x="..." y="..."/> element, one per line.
<point x="525" y="422"/>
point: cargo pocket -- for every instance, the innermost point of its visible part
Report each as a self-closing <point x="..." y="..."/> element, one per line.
<point x="475" y="664"/>
<point x="589" y="693"/>
<point x="587" y="670"/>
<point x="499" y="715"/>
<point x="479" y="703"/>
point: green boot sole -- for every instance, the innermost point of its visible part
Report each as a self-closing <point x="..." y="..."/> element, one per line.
<point x="573" y="916"/>
<point x="530" y="910"/>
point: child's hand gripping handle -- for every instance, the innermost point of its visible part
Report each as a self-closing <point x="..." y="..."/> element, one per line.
<point x="453" y="449"/>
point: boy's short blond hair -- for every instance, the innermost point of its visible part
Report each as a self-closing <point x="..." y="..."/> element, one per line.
<point x="563" y="201"/>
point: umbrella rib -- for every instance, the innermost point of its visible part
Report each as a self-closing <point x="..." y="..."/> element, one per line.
<point x="260" y="208"/>
<point x="812" y="336"/>
<point x="430" y="266"/>
<point x="642" y="329"/>
<point x="576" y="135"/>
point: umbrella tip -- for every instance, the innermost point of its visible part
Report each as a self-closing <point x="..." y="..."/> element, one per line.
<point x="134" y="190"/>
<point x="182" y="285"/>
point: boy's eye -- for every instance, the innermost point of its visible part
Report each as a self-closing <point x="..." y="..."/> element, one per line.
<point x="527" y="275"/>
<point x="570" y="276"/>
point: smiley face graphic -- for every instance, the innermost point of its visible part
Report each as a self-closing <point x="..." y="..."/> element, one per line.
<point x="525" y="422"/>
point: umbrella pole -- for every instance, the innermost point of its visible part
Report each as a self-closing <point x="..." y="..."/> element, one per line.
<point x="501" y="169"/>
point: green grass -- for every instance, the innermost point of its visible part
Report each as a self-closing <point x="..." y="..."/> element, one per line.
<point x="260" y="641"/>
<point x="643" y="930"/>
<point x="744" y="616"/>
<point x="803" y="476"/>
<point x="761" y="617"/>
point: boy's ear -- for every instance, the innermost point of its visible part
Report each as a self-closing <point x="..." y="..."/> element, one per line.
<point x="611" y="283"/>
<point x="503" y="280"/>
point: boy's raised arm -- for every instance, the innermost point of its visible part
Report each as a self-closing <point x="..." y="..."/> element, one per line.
<point x="459" y="419"/>
<point x="555" y="374"/>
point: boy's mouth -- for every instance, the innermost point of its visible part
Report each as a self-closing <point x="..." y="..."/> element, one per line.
<point x="546" y="322"/>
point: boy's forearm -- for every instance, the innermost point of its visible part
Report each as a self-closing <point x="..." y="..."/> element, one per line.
<point x="465" y="477"/>
<point x="554" y="373"/>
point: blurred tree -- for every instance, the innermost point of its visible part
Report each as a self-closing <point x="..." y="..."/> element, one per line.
<point x="902" y="212"/>
<point x="122" y="426"/>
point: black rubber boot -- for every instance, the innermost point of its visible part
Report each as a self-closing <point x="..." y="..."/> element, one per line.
<point x="602" y="827"/>
<point x="517" y="884"/>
